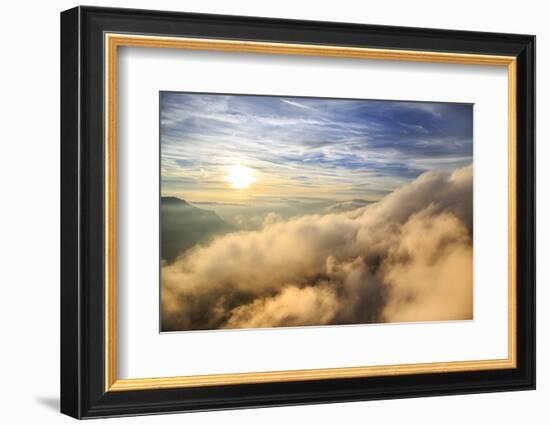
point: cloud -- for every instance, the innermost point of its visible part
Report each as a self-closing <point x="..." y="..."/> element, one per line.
<point x="407" y="257"/>
<point x="297" y="104"/>
<point x="293" y="306"/>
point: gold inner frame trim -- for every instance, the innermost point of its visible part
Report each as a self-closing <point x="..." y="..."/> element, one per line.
<point x="113" y="41"/>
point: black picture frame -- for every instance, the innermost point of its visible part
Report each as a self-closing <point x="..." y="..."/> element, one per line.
<point x="83" y="392"/>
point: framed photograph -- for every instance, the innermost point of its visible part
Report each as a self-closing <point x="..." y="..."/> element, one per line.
<point x="261" y="212"/>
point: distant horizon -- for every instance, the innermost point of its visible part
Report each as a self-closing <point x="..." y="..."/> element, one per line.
<point x="181" y="198"/>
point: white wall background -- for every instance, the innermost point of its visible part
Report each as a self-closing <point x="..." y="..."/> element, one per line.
<point x="29" y="213"/>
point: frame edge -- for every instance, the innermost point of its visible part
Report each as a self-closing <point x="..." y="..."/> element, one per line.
<point x="526" y="217"/>
<point x="70" y="349"/>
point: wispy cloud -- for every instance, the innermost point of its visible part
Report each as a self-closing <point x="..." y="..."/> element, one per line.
<point x="297" y="104"/>
<point x="307" y="146"/>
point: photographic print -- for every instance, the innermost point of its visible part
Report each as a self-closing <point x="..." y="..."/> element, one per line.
<point x="280" y="211"/>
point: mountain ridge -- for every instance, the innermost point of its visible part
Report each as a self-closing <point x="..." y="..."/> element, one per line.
<point x="184" y="225"/>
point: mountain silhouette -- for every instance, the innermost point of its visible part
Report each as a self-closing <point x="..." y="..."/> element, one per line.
<point x="184" y="225"/>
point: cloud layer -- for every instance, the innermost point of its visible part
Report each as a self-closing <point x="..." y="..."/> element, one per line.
<point x="407" y="257"/>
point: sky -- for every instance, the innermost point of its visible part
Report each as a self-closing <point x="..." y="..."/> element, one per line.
<point x="239" y="149"/>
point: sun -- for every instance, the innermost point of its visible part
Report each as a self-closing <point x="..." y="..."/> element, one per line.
<point x="240" y="177"/>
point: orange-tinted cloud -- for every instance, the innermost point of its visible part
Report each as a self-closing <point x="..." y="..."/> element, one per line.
<point x="406" y="258"/>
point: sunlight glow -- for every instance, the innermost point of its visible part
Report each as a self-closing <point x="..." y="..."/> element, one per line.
<point x="240" y="177"/>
